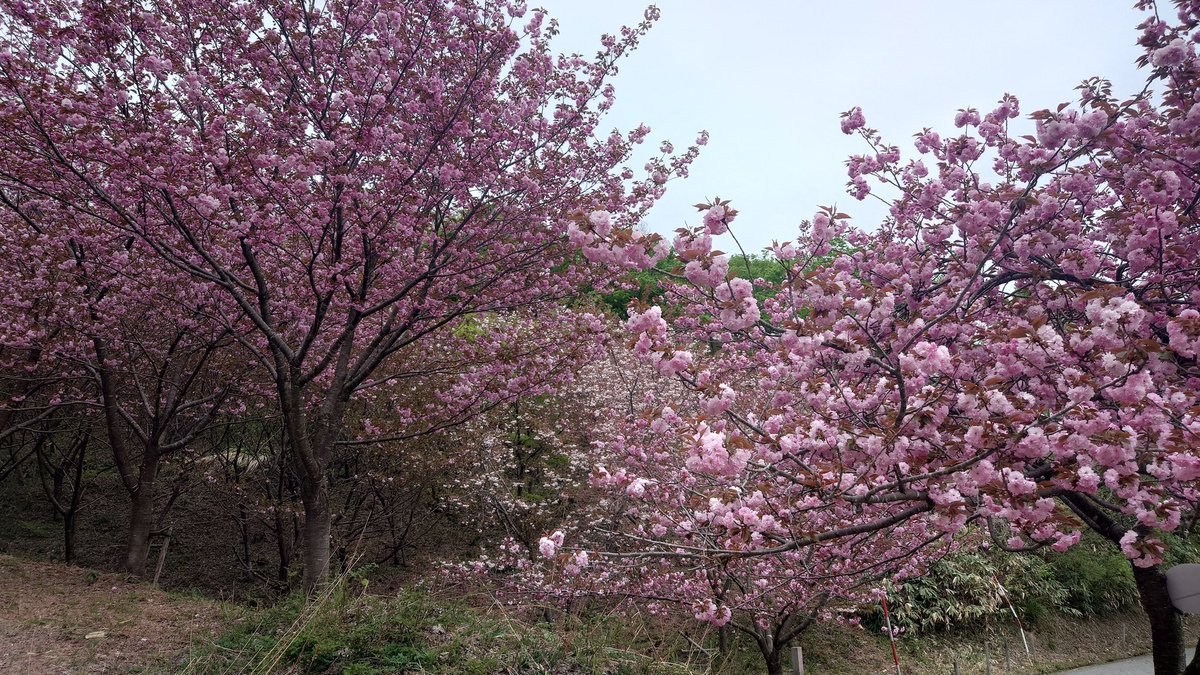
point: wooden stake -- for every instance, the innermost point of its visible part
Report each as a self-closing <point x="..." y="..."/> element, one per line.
<point x="162" y="556"/>
<point x="797" y="660"/>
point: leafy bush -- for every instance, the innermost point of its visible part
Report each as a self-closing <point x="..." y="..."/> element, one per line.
<point x="1182" y="548"/>
<point x="1096" y="577"/>
<point x="969" y="588"/>
<point x="1091" y="579"/>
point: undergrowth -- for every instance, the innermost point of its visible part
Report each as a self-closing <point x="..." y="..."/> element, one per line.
<point x="350" y="632"/>
<point x="953" y="612"/>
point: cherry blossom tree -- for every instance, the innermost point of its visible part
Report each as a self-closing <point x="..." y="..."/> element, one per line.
<point x="92" y="323"/>
<point x="1015" y="345"/>
<point x="352" y="177"/>
<point x="687" y="528"/>
<point x="162" y="390"/>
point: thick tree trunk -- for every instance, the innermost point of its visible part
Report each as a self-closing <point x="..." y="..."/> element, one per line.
<point x="311" y="441"/>
<point x="774" y="660"/>
<point x="771" y="652"/>
<point x="1166" y="628"/>
<point x="316" y="535"/>
<point x="140" y="486"/>
<point x="141" y="522"/>
<point x="141" y="518"/>
<point x="310" y="435"/>
<point x="314" y="494"/>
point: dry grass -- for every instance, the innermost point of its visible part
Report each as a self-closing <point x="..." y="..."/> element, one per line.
<point x="48" y="611"/>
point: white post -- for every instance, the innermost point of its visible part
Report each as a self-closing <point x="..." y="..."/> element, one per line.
<point x="797" y="660"/>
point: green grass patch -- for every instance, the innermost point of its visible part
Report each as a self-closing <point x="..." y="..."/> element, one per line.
<point x="416" y="632"/>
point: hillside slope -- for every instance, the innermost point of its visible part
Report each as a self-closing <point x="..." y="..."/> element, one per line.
<point x="60" y="619"/>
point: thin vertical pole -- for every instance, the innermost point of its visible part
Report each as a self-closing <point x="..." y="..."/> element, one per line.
<point x="1012" y="609"/>
<point x="162" y="556"/>
<point x="891" y="634"/>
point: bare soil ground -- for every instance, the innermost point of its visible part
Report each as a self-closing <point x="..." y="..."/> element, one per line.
<point x="60" y="619"/>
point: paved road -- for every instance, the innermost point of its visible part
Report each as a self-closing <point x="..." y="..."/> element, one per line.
<point x="1142" y="665"/>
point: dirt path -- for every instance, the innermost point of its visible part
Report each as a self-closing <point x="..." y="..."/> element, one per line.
<point x="60" y="619"/>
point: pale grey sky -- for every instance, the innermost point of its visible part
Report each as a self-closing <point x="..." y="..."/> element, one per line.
<point x="768" y="79"/>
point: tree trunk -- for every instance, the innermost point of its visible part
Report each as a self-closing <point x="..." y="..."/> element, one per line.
<point x="311" y="442"/>
<point x="141" y="519"/>
<point x="1166" y="628"/>
<point x="771" y="652"/>
<point x="774" y="660"/>
<point x="316" y="533"/>
<point x="71" y="517"/>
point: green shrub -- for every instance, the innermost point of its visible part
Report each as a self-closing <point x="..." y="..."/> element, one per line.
<point x="1091" y="579"/>
<point x="1182" y="548"/>
<point x="967" y="589"/>
<point x="1096" y="577"/>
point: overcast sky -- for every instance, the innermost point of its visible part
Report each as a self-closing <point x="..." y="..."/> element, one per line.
<point x="768" y="79"/>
